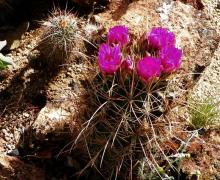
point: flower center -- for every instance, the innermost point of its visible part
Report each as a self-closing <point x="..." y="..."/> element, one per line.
<point x="108" y="57"/>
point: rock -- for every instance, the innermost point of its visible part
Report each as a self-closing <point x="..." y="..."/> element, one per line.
<point x="141" y="14"/>
<point x="208" y="85"/>
<point x="26" y="115"/>
<point x="53" y="118"/>
<point x="13" y="152"/>
<point x="196" y="32"/>
<point x="205" y="157"/>
<point x="14" y="168"/>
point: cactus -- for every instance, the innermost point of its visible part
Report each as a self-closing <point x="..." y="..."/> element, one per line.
<point x="65" y="38"/>
<point x="129" y="96"/>
<point x="62" y="38"/>
<point x="120" y="129"/>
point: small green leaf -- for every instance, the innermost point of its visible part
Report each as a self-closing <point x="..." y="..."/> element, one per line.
<point x="2" y="65"/>
<point x="4" y="61"/>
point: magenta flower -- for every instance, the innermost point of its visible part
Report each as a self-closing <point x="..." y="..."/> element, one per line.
<point x="118" y="35"/>
<point x="161" y="37"/>
<point x="127" y="64"/>
<point x="148" y="68"/>
<point x="170" y="59"/>
<point x="109" y="58"/>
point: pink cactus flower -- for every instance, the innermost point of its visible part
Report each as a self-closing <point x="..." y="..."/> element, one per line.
<point x="109" y="58"/>
<point x="170" y="59"/>
<point x="148" y="68"/>
<point x="161" y="37"/>
<point x="118" y="35"/>
<point x="127" y="64"/>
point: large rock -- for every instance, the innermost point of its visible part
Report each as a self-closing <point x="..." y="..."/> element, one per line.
<point x="196" y="31"/>
<point x="13" y="35"/>
<point x="208" y="85"/>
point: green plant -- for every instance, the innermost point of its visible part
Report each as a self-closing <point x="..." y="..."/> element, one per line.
<point x="203" y="113"/>
<point x="4" y="61"/>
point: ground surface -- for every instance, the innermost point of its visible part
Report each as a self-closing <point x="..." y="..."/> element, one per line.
<point x="36" y="106"/>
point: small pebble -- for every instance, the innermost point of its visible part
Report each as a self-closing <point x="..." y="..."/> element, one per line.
<point x="26" y="115"/>
<point x="13" y="152"/>
<point x="4" y="131"/>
